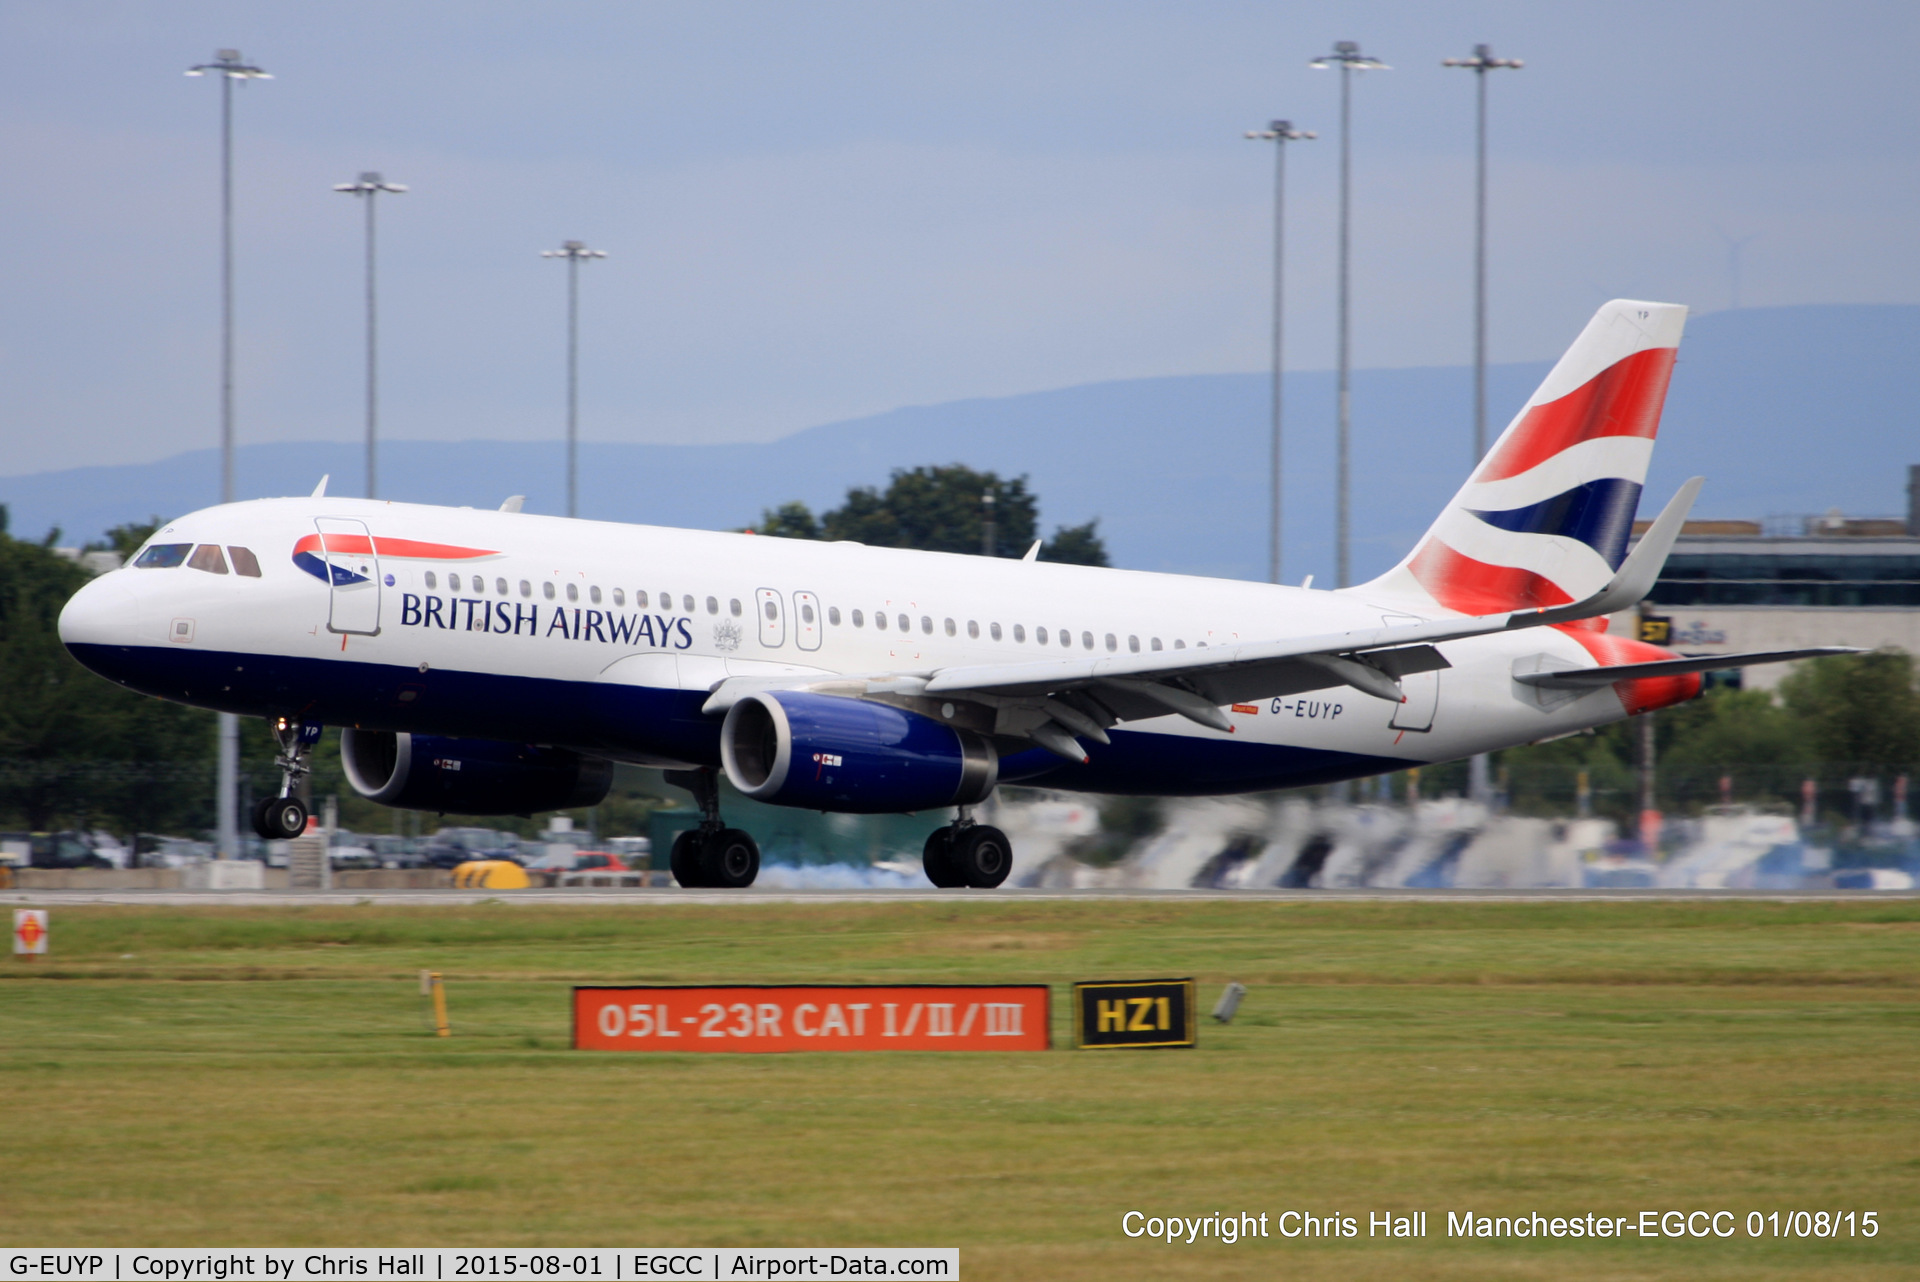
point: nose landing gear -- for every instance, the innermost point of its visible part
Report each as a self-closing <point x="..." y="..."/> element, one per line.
<point x="965" y="853"/>
<point x="712" y="856"/>
<point x="285" y="816"/>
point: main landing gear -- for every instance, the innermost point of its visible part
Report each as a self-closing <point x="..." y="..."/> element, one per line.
<point x="712" y="856"/>
<point x="285" y="816"/>
<point x="965" y="853"/>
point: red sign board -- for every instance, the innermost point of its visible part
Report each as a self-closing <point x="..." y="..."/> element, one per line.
<point x="859" y="1017"/>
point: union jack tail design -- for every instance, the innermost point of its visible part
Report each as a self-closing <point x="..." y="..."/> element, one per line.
<point x="1544" y="519"/>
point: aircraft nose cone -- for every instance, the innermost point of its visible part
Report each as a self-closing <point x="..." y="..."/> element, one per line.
<point x="103" y="613"/>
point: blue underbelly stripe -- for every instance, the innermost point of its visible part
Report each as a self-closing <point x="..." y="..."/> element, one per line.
<point x="628" y="720"/>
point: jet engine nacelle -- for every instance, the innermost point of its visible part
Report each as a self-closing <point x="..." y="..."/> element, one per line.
<point x="829" y="752"/>
<point x="469" y="776"/>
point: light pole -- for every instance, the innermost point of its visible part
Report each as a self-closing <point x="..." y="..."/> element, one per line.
<point x="1479" y="786"/>
<point x="369" y="186"/>
<point x="1279" y="133"/>
<point x="575" y="252"/>
<point x="1346" y="55"/>
<point x="1480" y="64"/>
<point x="229" y="67"/>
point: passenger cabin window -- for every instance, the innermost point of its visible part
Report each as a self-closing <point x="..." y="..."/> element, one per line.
<point x="207" y="557"/>
<point x="640" y="599"/>
<point x="993" y="630"/>
<point x="1086" y="641"/>
<point x="973" y="630"/>
<point x="433" y="583"/>
<point x="1113" y="645"/>
<point x="526" y="588"/>
<point x="806" y="613"/>
<point x="1133" y="645"/>
<point x="773" y="611"/>
<point x="733" y="608"/>
<point x="833" y="615"/>
<point x="1179" y="645"/>
<point x="164" y="556"/>
<point x="1155" y="643"/>
<point x="500" y="586"/>
<point x="859" y="619"/>
<point x="905" y="624"/>
<point x="593" y="595"/>
<point x="1020" y="632"/>
<point x="926" y="625"/>
<point x="453" y="583"/>
<point x="546" y="589"/>
<point x="1040" y="635"/>
<point x="686" y="604"/>
<point x="713" y="605"/>
<point x="879" y="620"/>
<point x="619" y="597"/>
<point x="244" y="562"/>
<point x="573" y="592"/>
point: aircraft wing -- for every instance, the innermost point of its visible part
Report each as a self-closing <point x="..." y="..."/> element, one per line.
<point x="1053" y="700"/>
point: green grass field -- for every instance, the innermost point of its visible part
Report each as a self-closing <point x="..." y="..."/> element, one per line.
<point x="265" y="1077"/>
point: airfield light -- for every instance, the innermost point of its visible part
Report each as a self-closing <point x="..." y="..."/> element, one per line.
<point x="575" y="252"/>
<point x="1479" y="787"/>
<point x="1346" y="55"/>
<point x="229" y="66"/>
<point x="368" y="186"/>
<point x="1279" y="133"/>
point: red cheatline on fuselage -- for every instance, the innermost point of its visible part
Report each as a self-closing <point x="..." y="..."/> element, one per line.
<point x="385" y="545"/>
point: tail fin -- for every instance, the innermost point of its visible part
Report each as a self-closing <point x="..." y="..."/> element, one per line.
<point x="1545" y="517"/>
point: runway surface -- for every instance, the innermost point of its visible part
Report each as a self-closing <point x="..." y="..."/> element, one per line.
<point x="667" y="898"/>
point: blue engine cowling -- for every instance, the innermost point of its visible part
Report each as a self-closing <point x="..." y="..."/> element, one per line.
<point x="469" y="776"/>
<point x="829" y="752"/>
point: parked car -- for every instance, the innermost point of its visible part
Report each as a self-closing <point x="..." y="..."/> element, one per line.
<point x="451" y="847"/>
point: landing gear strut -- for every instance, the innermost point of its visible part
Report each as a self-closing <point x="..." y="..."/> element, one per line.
<point x="965" y="853"/>
<point x="285" y="816"/>
<point x="712" y="856"/>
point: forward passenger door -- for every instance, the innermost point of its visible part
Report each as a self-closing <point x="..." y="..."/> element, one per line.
<point x="353" y="575"/>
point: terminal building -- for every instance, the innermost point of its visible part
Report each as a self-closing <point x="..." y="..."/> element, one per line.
<point x="1787" y="583"/>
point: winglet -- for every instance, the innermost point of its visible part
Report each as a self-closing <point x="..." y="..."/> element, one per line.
<point x="513" y="503"/>
<point x="1033" y="553"/>
<point x="1635" y="578"/>
<point x="320" y="490"/>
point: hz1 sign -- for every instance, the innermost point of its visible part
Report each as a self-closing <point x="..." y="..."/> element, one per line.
<point x="914" y="1017"/>
<point x="1138" y="1013"/>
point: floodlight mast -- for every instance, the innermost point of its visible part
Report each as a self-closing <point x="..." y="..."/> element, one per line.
<point x="1280" y="133"/>
<point x="575" y="252"/>
<point x="1480" y="64"/>
<point x="227" y="64"/>
<point x="1479" y="786"/>
<point x="1346" y="55"/>
<point x="368" y="186"/>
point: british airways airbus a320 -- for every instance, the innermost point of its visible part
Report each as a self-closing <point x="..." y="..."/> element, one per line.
<point x="488" y="662"/>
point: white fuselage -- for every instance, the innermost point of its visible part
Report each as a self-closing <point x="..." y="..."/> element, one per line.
<point x="607" y="638"/>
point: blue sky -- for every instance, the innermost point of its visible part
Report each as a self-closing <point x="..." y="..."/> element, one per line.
<point x="823" y="210"/>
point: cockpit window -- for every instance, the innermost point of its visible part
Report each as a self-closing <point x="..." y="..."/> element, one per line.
<point x="245" y="562"/>
<point x="163" y="556"/>
<point x="207" y="557"/>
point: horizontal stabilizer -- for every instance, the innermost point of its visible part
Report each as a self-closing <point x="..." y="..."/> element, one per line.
<point x="1594" y="678"/>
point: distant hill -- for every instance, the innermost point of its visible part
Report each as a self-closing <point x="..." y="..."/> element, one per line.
<point x="1787" y="409"/>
